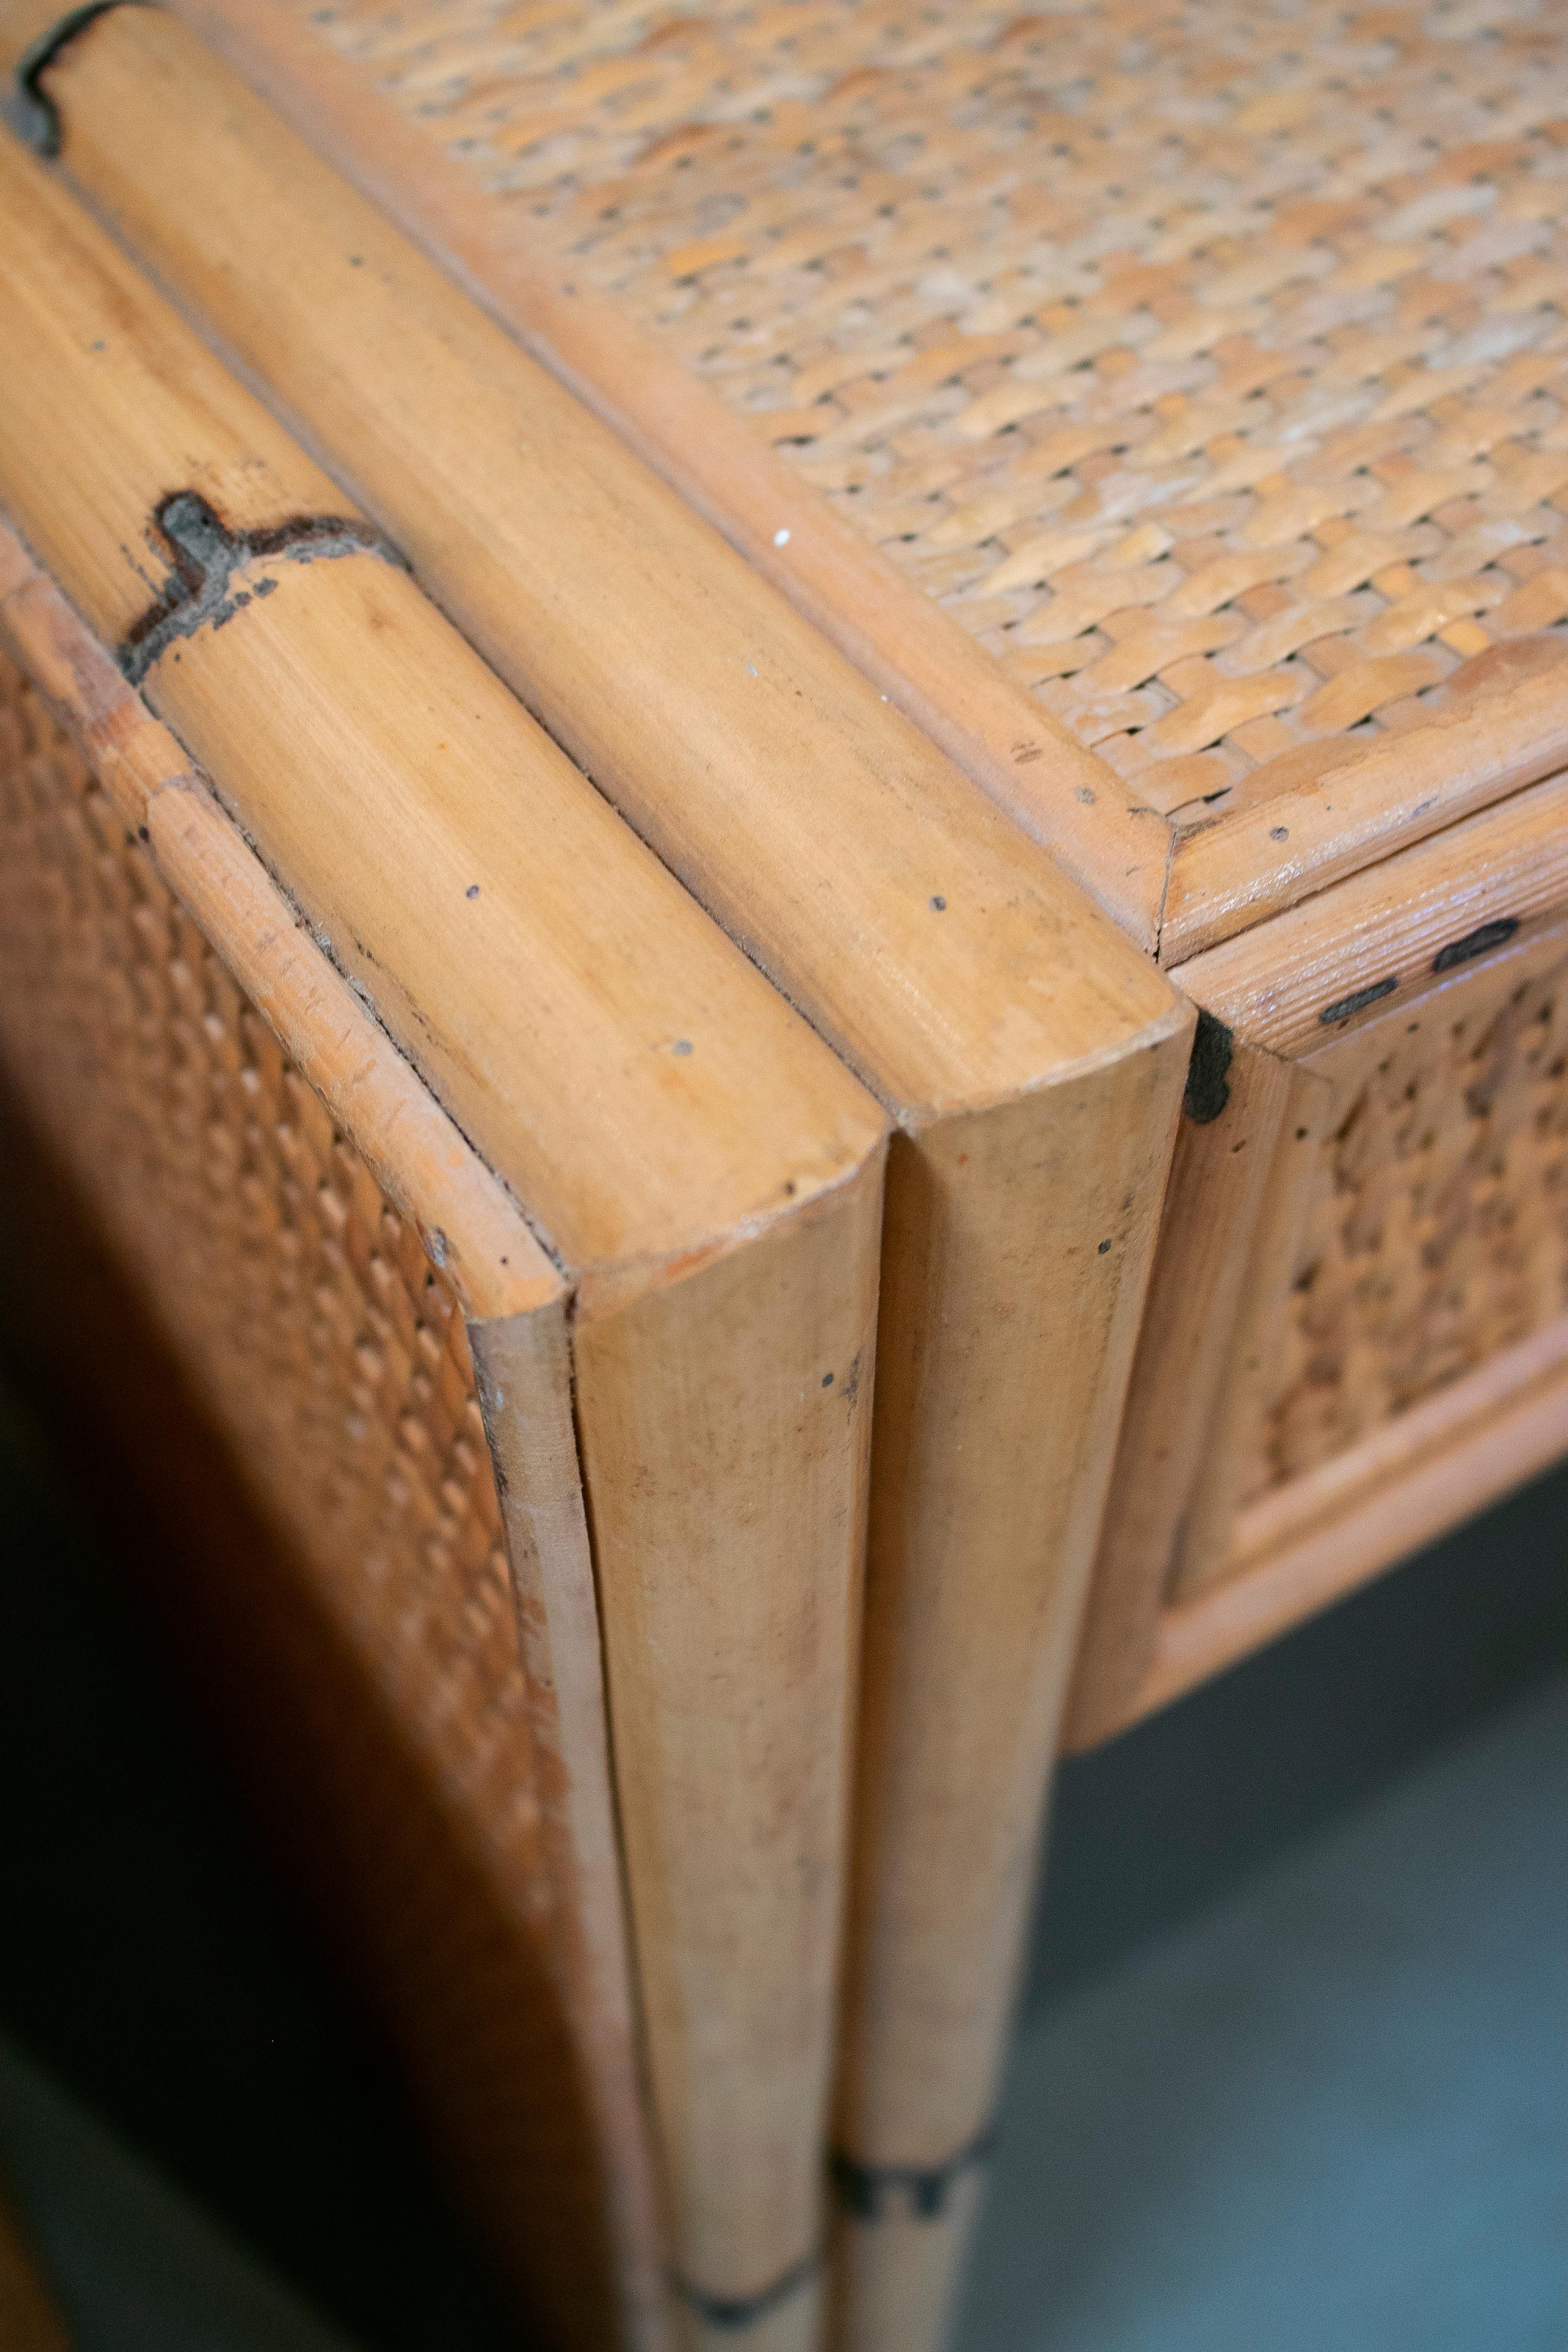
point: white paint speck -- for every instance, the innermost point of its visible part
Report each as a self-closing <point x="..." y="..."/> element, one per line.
<point x="750" y="669"/>
<point x="780" y="539"/>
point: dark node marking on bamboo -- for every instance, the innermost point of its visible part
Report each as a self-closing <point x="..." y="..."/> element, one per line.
<point x="1208" y="1084"/>
<point x="734" y="2312"/>
<point x="1358" y="1000"/>
<point x="1476" y="943"/>
<point x="29" y="109"/>
<point x="872" y="2191"/>
<point x="200" y="590"/>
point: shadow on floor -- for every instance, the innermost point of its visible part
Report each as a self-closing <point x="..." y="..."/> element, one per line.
<point x="1324" y="2114"/>
<point x="1172" y="1814"/>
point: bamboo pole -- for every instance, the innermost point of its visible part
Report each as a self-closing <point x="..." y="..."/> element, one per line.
<point x="515" y="1302"/>
<point x="1030" y="1060"/>
<point x="708" y="1172"/>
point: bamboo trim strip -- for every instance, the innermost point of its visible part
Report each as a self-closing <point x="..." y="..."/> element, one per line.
<point x="1409" y="1485"/>
<point x="1226" y="878"/>
<point x="517" y="522"/>
<point x="1230" y="1447"/>
<point x="1230" y="1133"/>
<point x="441" y="841"/>
<point x="1375" y="943"/>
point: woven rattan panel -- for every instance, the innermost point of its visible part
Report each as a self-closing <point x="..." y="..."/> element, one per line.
<point x="1210" y="361"/>
<point x="379" y="1668"/>
<point x="1441" y="1234"/>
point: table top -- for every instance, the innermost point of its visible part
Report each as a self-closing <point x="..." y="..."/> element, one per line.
<point x="1208" y="365"/>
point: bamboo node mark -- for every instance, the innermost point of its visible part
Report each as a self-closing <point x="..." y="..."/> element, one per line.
<point x="207" y="555"/>
<point x="28" y="108"/>
<point x="1208" y="1086"/>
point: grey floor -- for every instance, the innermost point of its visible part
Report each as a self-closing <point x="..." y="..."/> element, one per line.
<point x="1325" y="2114"/>
<point x="1329" y="2115"/>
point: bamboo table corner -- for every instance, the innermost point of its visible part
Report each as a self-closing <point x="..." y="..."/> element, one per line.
<point x="1164" y="447"/>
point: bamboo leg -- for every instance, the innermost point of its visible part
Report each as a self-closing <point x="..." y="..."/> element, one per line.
<point x="523" y="1368"/>
<point x="1016" y="1249"/>
<point x="731" y="1643"/>
<point x="709" y="1171"/>
<point x="1030" y="1058"/>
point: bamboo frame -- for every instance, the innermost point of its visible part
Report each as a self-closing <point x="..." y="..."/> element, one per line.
<point x="1396" y="942"/>
<point x="1015" y="1039"/>
<point x="704" y="1216"/>
<point x="1230" y="1136"/>
<point x="515" y="1303"/>
<point x="1324" y="1537"/>
<point x="1276" y="917"/>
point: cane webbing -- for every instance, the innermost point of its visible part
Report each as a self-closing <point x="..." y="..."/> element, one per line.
<point x="1441" y="1233"/>
<point x="376" y="1664"/>
<point x="1209" y="362"/>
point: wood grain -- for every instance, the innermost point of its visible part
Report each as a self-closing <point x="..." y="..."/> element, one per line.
<point x="732" y="2014"/>
<point x="1361" y="807"/>
<point x="1199" y="501"/>
<point x="518" y="515"/>
<point x="515" y="1300"/>
<point x="976" y="1584"/>
<point x="487" y="1248"/>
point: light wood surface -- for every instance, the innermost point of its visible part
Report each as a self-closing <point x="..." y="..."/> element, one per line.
<point x="991" y="1009"/>
<point x="1431" y="908"/>
<point x="1227" y="878"/>
<point x="487" y="1247"/>
<point x="1216" y="1192"/>
<point x="969" y="1645"/>
<point x="549" y="1010"/>
<point x="516" y="507"/>
<point x="730" y="2014"/>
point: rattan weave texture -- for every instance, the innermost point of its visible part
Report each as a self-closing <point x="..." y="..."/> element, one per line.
<point x="379" y="1672"/>
<point x="1441" y="1234"/>
<point x="321" y="1328"/>
<point x="1210" y="362"/>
